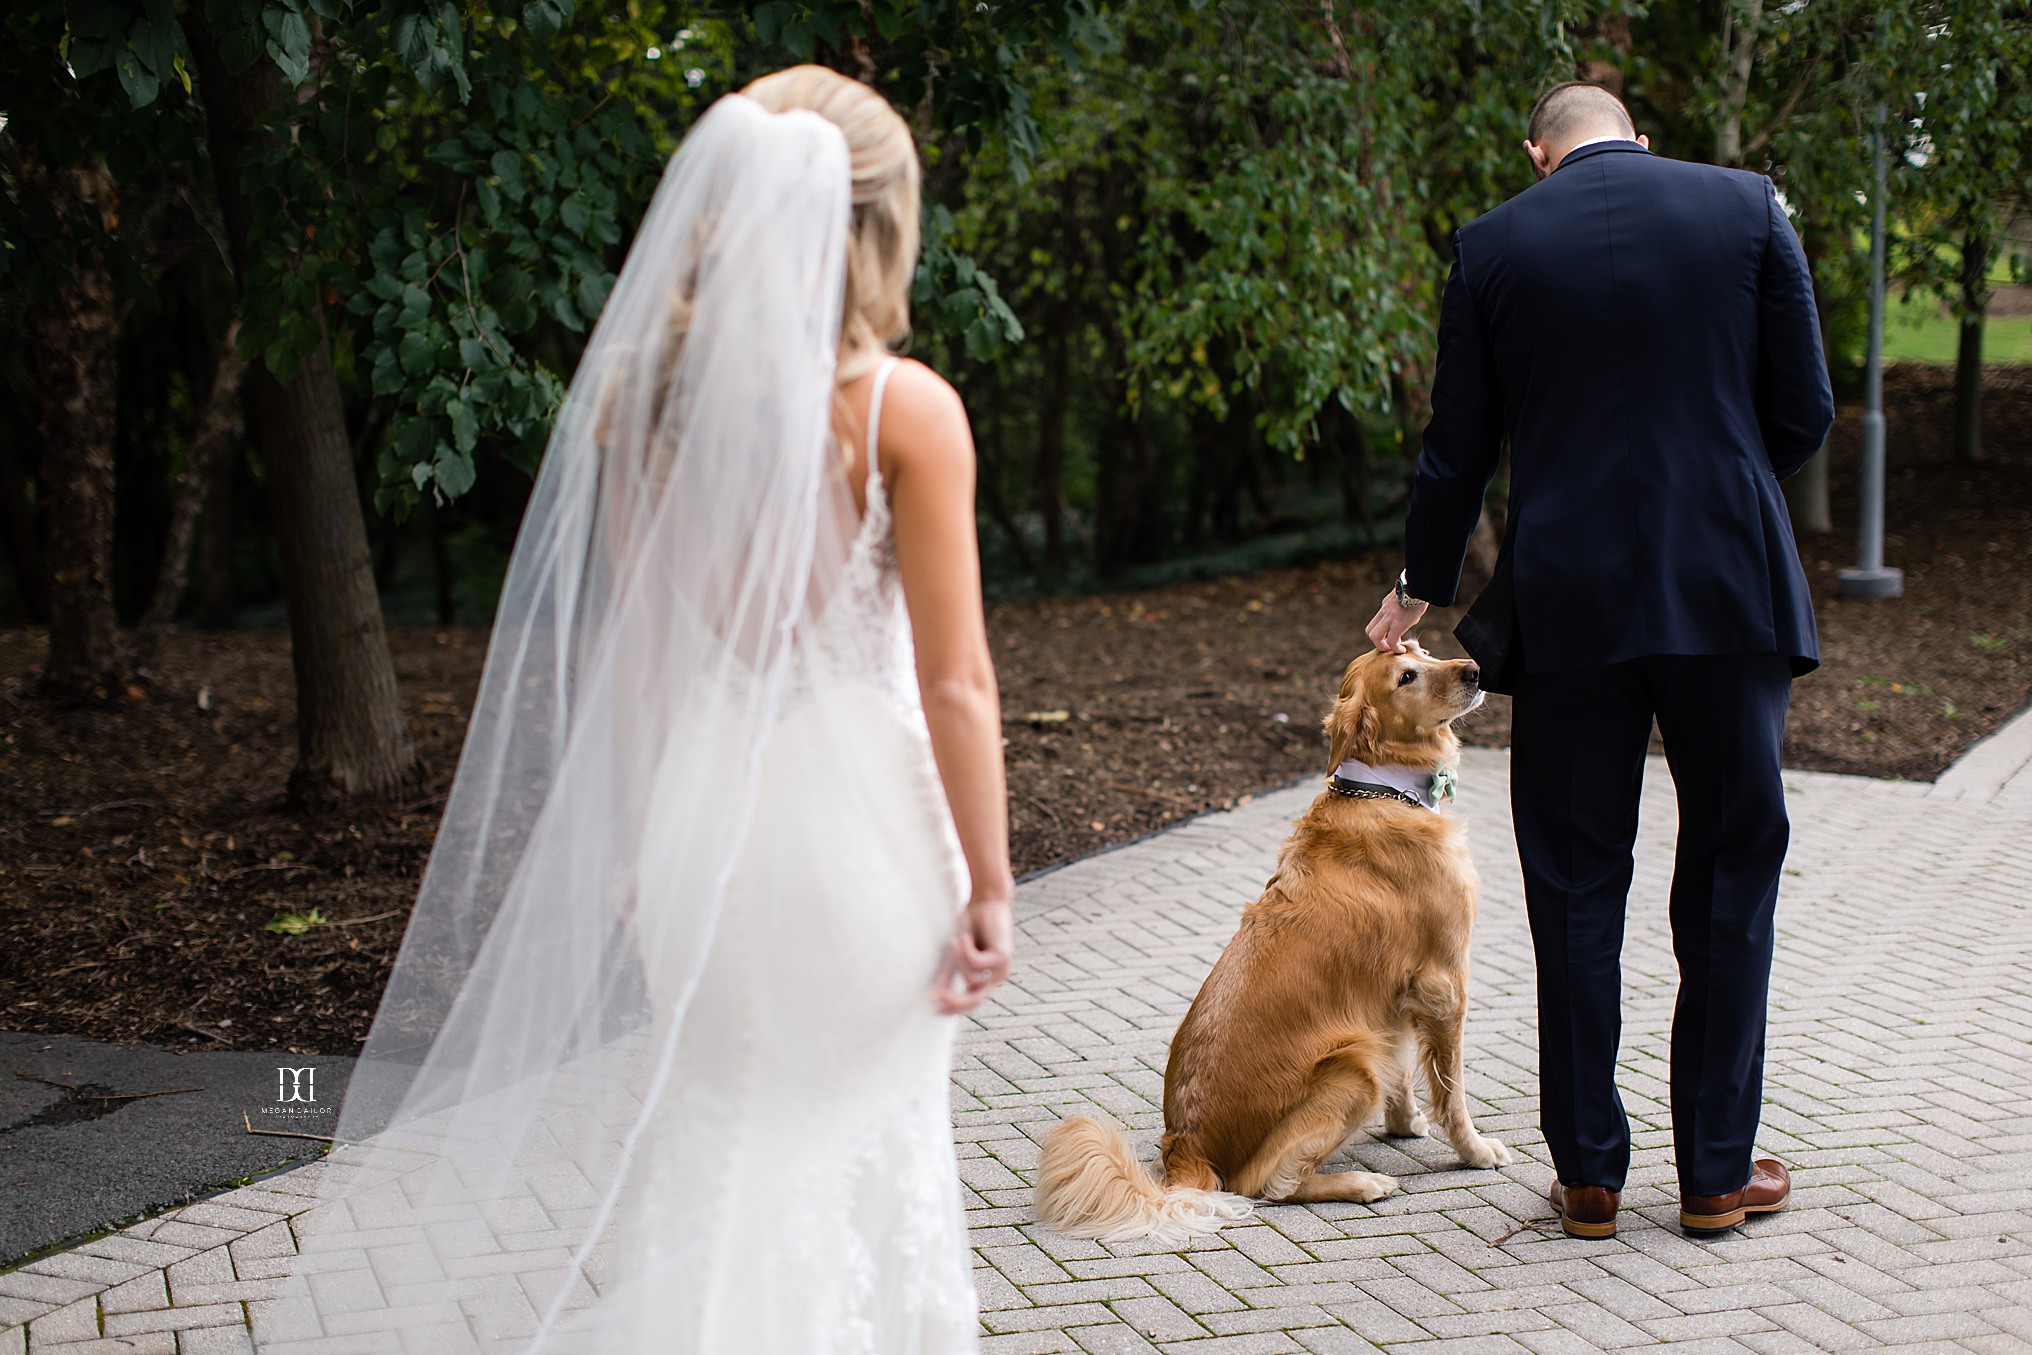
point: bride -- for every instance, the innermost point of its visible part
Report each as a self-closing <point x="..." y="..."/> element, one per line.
<point x="662" y="1065"/>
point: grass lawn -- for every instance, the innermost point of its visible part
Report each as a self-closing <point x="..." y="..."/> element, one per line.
<point x="1918" y="331"/>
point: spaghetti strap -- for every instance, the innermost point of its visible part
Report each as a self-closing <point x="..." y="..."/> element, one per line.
<point x="875" y="418"/>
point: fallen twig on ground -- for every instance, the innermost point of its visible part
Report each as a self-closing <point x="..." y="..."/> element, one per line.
<point x="102" y="1096"/>
<point x="281" y="1133"/>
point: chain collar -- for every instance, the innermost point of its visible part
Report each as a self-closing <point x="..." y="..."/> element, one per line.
<point x="1364" y="790"/>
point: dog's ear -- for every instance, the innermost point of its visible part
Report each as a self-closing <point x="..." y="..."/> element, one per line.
<point x="1352" y="726"/>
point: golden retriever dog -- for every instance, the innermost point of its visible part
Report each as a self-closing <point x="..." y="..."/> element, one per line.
<point x="1351" y="968"/>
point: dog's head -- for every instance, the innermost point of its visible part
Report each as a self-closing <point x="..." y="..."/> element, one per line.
<point x="1398" y="709"/>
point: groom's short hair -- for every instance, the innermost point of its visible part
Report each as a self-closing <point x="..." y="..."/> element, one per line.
<point x="1575" y="106"/>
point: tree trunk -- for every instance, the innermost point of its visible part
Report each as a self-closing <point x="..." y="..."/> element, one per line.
<point x="218" y="570"/>
<point x="1202" y="449"/>
<point x="209" y="443"/>
<point x="77" y="336"/>
<point x="351" y="736"/>
<point x="1342" y="440"/>
<point x="1740" y="20"/>
<point x="441" y="566"/>
<point x="1968" y="363"/>
<point x="1238" y="471"/>
<point x="18" y="529"/>
<point x="1122" y="489"/>
<point x="1051" y="454"/>
<point x="993" y="455"/>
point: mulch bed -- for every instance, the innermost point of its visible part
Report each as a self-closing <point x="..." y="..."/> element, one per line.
<point x="144" y="848"/>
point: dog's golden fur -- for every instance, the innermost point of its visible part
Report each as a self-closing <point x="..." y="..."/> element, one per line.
<point x="1351" y="968"/>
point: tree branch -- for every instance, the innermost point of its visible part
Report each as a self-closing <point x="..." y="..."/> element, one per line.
<point x="209" y="441"/>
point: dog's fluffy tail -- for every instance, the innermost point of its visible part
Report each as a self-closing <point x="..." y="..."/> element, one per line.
<point x="1089" y="1184"/>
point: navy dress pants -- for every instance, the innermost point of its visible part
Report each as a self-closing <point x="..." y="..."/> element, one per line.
<point x="1577" y="764"/>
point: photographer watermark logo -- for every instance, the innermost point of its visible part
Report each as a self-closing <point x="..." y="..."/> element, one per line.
<point x="296" y="1093"/>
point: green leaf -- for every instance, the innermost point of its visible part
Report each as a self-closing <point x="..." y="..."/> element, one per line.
<point x="438" y="396"/>
<point x="454" y="155"/>
<point x="575" y="213"/>
<point x="507" y="167"/>
<point x="770" y="19"/>
<point x="154" y="40"/>
<point x="411" y="35"/>
<point x="416" y="353"/>
<point x="288" y="42"/>
<point x="141" y="86"/>
<point x="984" y="339"/>
<point x="592" y="293"/>
<point x="453" y="471"/>
<point x="465" y="432"/>
<point x="542" y="18"/>
<point x="387" y="378"/>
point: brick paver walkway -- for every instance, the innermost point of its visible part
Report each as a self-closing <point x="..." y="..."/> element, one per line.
<point x="1900" y="1089"/>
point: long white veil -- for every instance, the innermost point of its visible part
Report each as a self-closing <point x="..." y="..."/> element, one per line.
<point x="688" y="518"/>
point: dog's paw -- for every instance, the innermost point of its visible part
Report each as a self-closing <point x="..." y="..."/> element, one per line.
<point x="1412" y="1126"/>
<point x="1363" y="1187"/>
<point x="1482" y="1153"/>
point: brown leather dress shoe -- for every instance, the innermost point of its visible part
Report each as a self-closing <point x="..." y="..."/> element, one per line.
<point x="1585" y="1211"/>
<point x="1769" y="1190"/>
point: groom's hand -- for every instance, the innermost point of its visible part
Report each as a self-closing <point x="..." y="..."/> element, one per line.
<point x="1392" y="619"/>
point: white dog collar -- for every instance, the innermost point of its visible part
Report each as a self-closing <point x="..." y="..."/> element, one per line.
<point x="1354" y="777"/>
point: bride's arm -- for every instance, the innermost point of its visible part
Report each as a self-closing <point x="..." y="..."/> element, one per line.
<point x="927" y="457"/>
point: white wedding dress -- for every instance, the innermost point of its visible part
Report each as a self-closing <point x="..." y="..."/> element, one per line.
<point x="800" y="1194"/>
<point x="658" y="1069"/>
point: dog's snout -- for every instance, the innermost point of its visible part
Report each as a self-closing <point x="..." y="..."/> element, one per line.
<point x="1471" y="675"/>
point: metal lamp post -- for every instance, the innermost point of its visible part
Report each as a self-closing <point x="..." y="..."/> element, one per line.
<point x="1869" y="578"/>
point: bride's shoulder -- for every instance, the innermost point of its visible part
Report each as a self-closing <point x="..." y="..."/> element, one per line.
<point x="918" y="389"/>
<point x="923" y="419"/>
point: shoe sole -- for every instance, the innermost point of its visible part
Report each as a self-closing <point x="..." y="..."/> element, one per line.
<point x="1721" y="1223"/>
<point x="1575" y="1228"/>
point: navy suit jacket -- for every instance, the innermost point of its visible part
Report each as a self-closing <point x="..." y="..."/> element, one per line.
<point x="1642" y="331"/>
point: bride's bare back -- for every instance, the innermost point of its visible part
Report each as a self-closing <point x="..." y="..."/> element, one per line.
<point x="927" y="462"/>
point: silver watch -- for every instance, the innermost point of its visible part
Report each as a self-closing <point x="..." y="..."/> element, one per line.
<point x="1404" y="598"/>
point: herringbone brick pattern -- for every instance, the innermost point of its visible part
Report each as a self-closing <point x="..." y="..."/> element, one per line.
<point x="1899" y="1085"/>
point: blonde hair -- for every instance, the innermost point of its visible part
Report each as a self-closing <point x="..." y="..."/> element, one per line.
<point x="882" y="250"/>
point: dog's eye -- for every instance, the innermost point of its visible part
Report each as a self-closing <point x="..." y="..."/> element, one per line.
<point x="1410" y="676"/>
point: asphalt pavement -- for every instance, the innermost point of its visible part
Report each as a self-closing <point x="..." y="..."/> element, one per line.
<point x="85" y="1148"/>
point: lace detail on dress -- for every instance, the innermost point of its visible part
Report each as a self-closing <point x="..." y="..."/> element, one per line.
<point x="802" y="1195"/>
<point x="863" y="629"/>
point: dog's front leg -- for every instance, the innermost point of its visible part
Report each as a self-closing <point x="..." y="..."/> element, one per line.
<point x="1438" y="1011"/>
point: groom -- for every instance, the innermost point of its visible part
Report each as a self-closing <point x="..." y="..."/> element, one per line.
<point x="1642" y="332"/>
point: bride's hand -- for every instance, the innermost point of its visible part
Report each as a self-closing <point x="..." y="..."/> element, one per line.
<point x="978" y="959"/>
